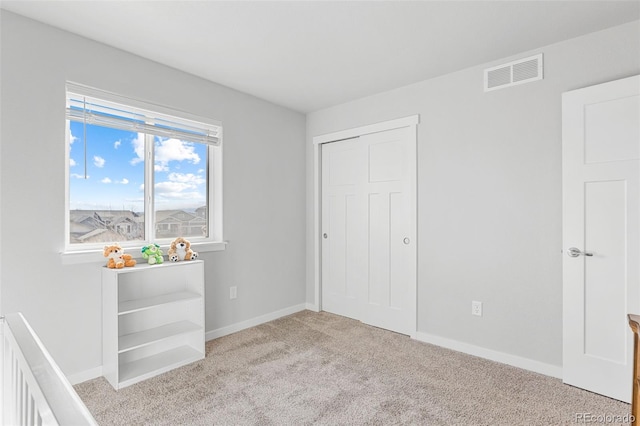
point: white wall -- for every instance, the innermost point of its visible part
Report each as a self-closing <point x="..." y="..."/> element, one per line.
<point x="489" y="192"/>
<point x="264" y="192"/>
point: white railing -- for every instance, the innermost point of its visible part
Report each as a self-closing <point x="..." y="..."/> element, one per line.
<point x="34" y="391"/>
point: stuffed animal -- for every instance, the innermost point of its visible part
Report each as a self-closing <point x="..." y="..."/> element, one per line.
<point x="180" y="249"/>
<point x="117" y="258"/>
<point x="153" y="253"/>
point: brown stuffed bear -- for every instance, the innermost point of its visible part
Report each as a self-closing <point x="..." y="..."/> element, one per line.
<point x="180" y="249"/>
<point x="117" y="258"/>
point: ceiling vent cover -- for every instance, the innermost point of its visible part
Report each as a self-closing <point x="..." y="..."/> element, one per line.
<point x="517" y="72"/>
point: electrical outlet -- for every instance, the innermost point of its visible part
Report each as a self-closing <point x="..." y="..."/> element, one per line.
<point x="233" y="292"/>
<point x="476" y="308"/>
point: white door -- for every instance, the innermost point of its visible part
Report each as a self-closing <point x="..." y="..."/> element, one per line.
<point x="369" y="227"/>
<point x="601" y="235"/>
<point x="344" y="243"/>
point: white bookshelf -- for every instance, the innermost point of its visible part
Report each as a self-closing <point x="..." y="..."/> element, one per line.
<point x="152" y="320"/>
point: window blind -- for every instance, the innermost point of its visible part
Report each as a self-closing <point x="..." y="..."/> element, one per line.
<point x="104" y="109"/>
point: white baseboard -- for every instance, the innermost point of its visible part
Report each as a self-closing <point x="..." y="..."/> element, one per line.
<point x="83" y="376"/>
<point x="234" y="328"/>
<point x="505" y="358"/>
<point x="312" y="307"/>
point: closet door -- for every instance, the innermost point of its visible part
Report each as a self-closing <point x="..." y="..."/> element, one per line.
<point x="368" y="229"/>
<point x="344" y="227"/>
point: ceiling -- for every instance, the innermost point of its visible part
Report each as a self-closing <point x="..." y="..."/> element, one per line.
<point x="309" y="55"/>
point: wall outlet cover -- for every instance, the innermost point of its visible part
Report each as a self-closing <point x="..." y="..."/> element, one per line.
<point x="476" y="308"/>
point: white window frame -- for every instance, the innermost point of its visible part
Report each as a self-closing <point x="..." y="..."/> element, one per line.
<point x="83" y="253"/>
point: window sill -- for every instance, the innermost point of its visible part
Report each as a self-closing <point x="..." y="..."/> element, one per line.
<point x="95" y="256"/>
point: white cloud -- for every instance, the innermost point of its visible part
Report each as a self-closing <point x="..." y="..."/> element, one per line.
<point x="116" y="144"/>
<point x="182" y="196"/>
<point x="181" y="186"/>
<point x="171" y="187"/>
<point x="106" y="180"/>
<point x="124" y="181"/>
<point x="98" y="161"/>
<point x="79" y="176"/>
<point x="188" y="178"/>
<point x="72" y="138"/>
<point x="177" y="191"/>
<point x="138" y="148"/>
<point x="72" y="162"/>
<point x="167" y="150"/>
<point x="179" y="183"/>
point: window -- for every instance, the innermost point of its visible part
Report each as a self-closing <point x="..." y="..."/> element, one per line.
<point x="139" y="173"/>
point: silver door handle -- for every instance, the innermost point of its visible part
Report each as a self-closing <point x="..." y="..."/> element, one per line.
<point x="574" y="252"/>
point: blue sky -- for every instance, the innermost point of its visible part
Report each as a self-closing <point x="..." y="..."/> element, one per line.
<point x="115" y="171"/>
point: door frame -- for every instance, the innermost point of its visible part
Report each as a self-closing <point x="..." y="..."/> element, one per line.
<point x="412" y="122"/>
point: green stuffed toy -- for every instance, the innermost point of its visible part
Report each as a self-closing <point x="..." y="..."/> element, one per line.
<point x="153" y="253"/>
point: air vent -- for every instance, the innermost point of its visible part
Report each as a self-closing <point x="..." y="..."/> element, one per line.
<point x="516" y="72"/>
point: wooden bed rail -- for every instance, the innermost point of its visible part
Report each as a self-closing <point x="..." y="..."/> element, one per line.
<point x="634" y="323"/>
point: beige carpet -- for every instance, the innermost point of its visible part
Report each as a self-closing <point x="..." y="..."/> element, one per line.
<point x="318" y="368"/>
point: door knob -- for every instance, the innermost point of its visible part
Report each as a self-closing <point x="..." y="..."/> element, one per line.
<point x="324" y="235"/>
<point x="406" y="240"/>
<point x="574" y="252"/>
